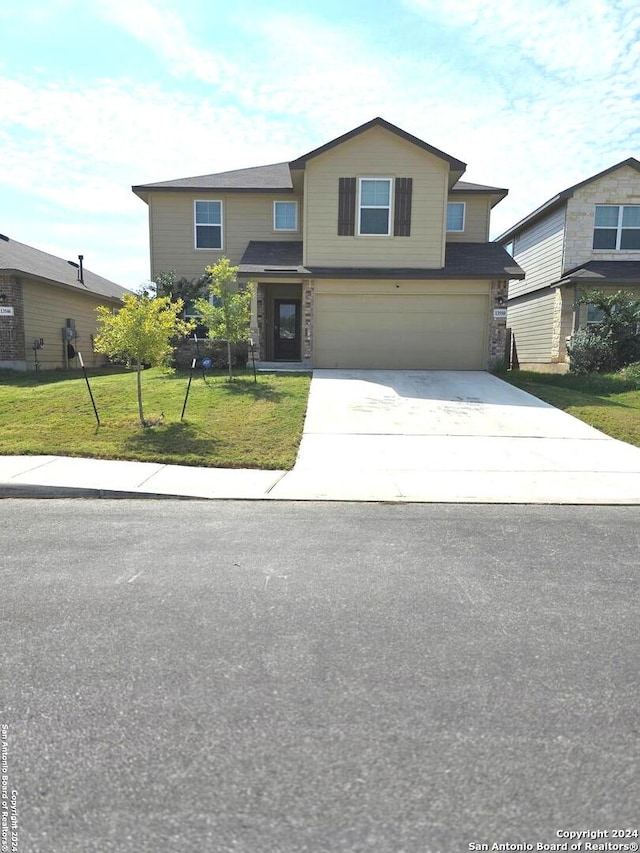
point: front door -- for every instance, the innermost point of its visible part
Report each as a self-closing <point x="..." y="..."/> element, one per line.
<point x="286" y="327"/>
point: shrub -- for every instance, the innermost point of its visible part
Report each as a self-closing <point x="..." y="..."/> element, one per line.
<point x="631" y="373"/>
<point x="591" y="352"/>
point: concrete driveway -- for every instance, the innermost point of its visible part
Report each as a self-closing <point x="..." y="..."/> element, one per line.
<point x="450" y="436"/>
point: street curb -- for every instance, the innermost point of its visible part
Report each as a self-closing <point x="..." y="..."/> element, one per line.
<point x="32" y="491"/>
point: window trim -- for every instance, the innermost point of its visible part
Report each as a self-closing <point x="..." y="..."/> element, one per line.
<point x="388" y="208"/>
<point x="206" y="224"/>
<point x="294" y="202"/>
<point x="619" y="228"/>
<point x="464" y="218"/>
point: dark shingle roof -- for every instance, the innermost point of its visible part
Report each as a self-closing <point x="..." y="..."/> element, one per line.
<point x="462" y="260"/>
<point x="275" y="177"/>
<point x="560" y="198"/>
<point x="273" y="255"/>
<point x="498" y="193"/>
<point x="19" y="258"/>
<point x="605" y="272"/>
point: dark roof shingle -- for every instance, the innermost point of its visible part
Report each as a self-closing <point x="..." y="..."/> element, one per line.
<point x="462" y="260"/>
<point x="275" y="177"/>
<point x="605" y="272"/>
<point x="20" y="258"/>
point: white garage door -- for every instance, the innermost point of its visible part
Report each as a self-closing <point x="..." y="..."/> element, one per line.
<point x="403" y="332"/>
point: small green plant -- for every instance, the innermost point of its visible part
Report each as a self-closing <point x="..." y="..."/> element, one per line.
<point x="228" y="315"/>
<point x="141" y="333"/>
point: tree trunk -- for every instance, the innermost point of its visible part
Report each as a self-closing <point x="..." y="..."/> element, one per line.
<point x="140" y="412"/>
<point x="229" y="359"/>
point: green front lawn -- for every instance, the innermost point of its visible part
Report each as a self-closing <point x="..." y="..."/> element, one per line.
<point x="609" y="402"/>
<point x="232" y="425"/>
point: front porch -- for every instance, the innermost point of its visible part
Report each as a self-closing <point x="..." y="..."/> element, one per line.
<point x="282" y="325"/>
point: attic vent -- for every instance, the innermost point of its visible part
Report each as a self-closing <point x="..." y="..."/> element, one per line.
<point x="3" y="237"/>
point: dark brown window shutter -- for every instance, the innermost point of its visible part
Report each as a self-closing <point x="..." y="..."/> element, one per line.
<point x="346" y="207"/>
<point x="402" y="212"/>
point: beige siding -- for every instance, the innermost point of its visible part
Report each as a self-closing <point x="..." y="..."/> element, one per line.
<point x="245" y="216"/>
<point x="538" y="250"/>
<point x="418" y="325"/>
<point x="476" y="219"/>
<point x="46" y="310"/>
<point x="619" y="187"/>
<point x="376" y="153"/>
<point x="531" y="321"/>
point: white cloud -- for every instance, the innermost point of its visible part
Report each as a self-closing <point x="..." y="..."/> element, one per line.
<point x="534" y="96"/>
<point x="577" y="39"/>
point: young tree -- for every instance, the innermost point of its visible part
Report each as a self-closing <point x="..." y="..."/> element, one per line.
<point x="141" y="333"/>
<point x="229" y="317"/>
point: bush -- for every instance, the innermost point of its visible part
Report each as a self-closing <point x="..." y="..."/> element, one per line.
<point x="631" y="373"/>
<point x="590" y="352"/>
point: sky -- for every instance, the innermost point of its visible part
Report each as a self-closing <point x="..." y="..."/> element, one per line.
<point x="99" y="95"/>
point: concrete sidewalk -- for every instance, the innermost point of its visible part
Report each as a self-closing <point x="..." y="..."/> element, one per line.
<point x="59" y="476"/>
<point x="400" y="436"/>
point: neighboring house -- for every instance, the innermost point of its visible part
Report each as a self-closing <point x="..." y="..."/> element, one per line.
<point x="47" y="308"/>
<point x="368" y="252"/>
<point x="585" y="238"/>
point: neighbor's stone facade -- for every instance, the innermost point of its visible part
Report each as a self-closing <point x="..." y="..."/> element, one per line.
<point x="12" y="342"/>
<point x="619" y="187"/>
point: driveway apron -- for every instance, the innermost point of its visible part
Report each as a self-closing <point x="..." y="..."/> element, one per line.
<point x="450" y="436"/>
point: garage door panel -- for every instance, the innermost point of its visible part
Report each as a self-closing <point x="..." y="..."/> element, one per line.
<point x="402" y="332"/>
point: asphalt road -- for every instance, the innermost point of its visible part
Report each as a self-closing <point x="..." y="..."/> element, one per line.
<point x="283" y="678"/>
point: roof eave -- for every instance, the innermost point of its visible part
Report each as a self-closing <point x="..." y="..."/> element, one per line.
<point x="141" y="191"/>
<point x="549" y="206"/>
<point x="80" y="288"/>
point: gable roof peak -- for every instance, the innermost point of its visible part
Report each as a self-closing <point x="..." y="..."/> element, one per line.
<point x="454" y="164"/>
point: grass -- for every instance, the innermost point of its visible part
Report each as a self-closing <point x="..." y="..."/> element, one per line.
<point x="609" y="402"/>
<point x="232" y="425"/>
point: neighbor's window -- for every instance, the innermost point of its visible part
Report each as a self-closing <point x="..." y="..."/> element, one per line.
<point x="375" y="206"/>
<point x="285" y="215"/>
<point x="594" y="314"/>
<point x="455" y="216"/>
<point x="617" y="226"/>
<point x="208" y="224"/>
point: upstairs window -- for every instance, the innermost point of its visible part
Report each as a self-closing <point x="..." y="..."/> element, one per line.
<point x="374" y="215"/>
<point x="285" y="215"/>
<point x="617" y="227"/>
<point x="208" y="224"/>
<point x="455" y="216"/>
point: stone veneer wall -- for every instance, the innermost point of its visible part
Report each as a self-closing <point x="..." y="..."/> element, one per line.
<point x="619" y="187"/>
<point x="307" y="320"/>
<point x="497" y="327"/>
<point x="12" y="343"/>
<point x="259" y="338"/>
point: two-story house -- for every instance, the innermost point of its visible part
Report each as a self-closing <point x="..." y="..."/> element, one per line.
<point x="586" y="237"/>
<point x="368" y="252"/>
